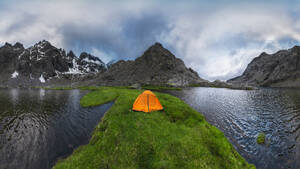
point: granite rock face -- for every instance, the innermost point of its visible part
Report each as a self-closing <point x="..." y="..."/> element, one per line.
<point x="157" y="66"/>
<point x="281" y="69"/>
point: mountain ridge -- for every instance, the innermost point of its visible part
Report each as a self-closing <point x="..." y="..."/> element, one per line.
<point x="280" y="69"/>
<point x="45" y="65"/>
<point x="42" y="62"/>
<point x="156" y="66"/>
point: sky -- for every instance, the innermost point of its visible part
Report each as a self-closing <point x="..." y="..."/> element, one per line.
<point x="218" y="38"/>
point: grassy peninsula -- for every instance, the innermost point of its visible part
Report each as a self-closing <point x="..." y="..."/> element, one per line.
<point x="177" y="137"/>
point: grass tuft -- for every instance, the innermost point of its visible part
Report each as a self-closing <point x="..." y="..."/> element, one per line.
<point x="159" y="88"/>
<point x="261" y="138"/>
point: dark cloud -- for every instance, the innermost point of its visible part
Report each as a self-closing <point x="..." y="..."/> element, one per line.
<point x="217" y="39"/>
<point x="129" y="40"/>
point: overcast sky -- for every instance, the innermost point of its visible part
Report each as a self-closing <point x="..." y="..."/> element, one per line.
<point x="217" y="39"/>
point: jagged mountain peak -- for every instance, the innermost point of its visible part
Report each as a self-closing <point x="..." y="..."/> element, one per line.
<point x="86" y="57"/>
<point x="155" y="47"/>
<point x="71" y="54"/>
<point x="18" y="45"/>
<point x="44" y="43"/>
<point x="157" y="53"/>
<point x="42" y="62"/>
<point x="7" y="44"/>
<point x="158" y="57"/>
<point x="157" y="66"/>
<point x="157" y="44"/>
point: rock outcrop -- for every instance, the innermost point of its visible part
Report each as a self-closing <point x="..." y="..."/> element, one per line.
<point x="157" y="66"/>
<point x="281" y="69"/>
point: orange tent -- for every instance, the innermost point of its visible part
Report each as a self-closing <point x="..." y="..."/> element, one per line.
<point x="147" y="102"/>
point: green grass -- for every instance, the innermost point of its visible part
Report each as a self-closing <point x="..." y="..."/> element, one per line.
<point x="90" y="87"/>
<point x="261" y="138"/>
<point x="60" y="88"/>
<point x="159" y="88"/>
<point x="98" y="97"/>
<point x="177" y="137"/>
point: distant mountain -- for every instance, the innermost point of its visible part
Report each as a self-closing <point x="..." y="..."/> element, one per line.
<point x="157" y="66"/>
<point x="43" y="62"/>
<point x="46" y="65"/>
<point x="281" y="69"/>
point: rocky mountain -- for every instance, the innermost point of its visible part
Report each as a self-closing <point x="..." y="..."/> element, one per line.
<point x="43" y="62"/>
<point x="281" y="69"/>
<point x="110" y="63"/>
<point x="46" y="65"/>
<point x="157" y="66"/>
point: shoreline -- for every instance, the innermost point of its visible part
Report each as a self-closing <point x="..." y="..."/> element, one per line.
<point x="178" y="124"/>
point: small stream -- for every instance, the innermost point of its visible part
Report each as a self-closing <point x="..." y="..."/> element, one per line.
<point x="37" y="127"/>
<point x="241" y="115"/>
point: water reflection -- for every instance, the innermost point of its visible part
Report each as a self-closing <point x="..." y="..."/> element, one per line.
<point x="241" y="115"/>
<point x="42" y="93"/>
<point x="38" y="126"/>
<point x="14" y="95"/>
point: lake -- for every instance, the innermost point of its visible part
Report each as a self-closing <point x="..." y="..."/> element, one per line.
<point x="241" y="115"/>
<point x="37" y="127"/>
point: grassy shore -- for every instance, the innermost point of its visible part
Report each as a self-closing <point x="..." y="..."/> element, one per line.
<point x="145" y="87"/>
<point x="159" y="88"/>
<point x="177" y="137"/>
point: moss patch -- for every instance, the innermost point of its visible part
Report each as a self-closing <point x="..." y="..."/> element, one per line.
<point x="177" y="137"/>
<point x="261" y="138"/>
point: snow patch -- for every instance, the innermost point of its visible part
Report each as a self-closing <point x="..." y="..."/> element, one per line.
<point x="75" y="69"/>
<point x="42" y="79"/>
<point x="93" y="61"/>
<point x="14" y="75"/>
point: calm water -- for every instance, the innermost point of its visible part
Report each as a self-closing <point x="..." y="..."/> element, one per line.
<point x="39" y="126"/>
<point x="241" y="115"/>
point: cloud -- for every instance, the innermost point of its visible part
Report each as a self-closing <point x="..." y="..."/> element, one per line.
<point x="121" y="30"/>
<point x="218" y="40"/>
<point x="221" y="45"/>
